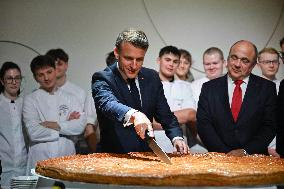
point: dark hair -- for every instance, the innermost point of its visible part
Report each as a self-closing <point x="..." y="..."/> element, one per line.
<point x="42" y="61"/>
<point x="168" y="50"/>
<point x="58" y="54"/>
<point x="281" y="42"/>
<point x="5" y="67"/>
<point x="110" y="59"/>
<point x="186" y="55"/>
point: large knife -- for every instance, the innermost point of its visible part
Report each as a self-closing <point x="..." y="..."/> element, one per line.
<point x="157" y="149"/>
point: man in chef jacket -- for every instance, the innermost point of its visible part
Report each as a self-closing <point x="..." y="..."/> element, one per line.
<point x="50" y="115"/>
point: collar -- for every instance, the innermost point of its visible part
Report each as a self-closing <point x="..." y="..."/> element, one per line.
<point x="230" y="80"/>
<point x="274" y="80"/>
<point x="52" y="92"/>
<point x="2" y="96"/>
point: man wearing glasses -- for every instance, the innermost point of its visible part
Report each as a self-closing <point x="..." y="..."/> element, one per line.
<point x="236" y="112"/>
<point x="268" y="62"/>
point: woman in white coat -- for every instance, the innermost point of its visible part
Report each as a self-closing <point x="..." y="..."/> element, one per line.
<point x="13" y="152"/>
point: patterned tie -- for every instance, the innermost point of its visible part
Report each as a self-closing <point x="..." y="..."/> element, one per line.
<point x="237" y="99"/>
<point x="136" y="103"/>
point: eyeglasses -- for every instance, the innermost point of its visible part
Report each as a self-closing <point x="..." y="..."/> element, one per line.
<point x="10" y="80"/>
<point x="269" y="62"/>
<point x="243" y="59"/>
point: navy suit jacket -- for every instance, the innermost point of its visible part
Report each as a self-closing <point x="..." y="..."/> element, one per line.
<point x="256" y="122"/>
<point x="280" y="126"/>
<point x="112" y="101"/>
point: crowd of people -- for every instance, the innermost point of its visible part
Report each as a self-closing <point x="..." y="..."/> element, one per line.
<point x="237" y="113"/>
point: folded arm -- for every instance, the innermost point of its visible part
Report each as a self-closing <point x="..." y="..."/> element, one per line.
<point x="33" y="119"/>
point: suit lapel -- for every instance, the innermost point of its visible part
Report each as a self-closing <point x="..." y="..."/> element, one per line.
<point x="224" y="97"/>
<point x="249" y="98"/>
<point x="142" y="86"/>
<point x="121" y="85"/>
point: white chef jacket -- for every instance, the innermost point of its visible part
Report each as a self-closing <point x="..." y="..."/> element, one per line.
<point x="179" y="96"/>
<point x="75" y="90"/>
<point x="196" y="88"/>
<point x="13" y="151"/>
<point x="41" y="106"/>
<point x="90" y="109"/>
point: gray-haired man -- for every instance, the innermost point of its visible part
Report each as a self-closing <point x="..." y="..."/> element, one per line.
<point x="127" y="96"/>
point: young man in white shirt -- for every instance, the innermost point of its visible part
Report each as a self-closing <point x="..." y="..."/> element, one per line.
<point x="268" y="62"/>
<point x="61" y="63"/>
<point x="179" y="97"/>
<point x="213" y="63"/>
<point x="50" y="115"/>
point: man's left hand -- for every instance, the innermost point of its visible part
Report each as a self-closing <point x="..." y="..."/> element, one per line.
<point x="181" y="146"/>
<point x="237" y="152"/>
<point x="273" y="152"/>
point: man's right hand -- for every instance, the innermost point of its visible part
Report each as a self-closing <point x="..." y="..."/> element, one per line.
<point x="142" y="124"/>
<point x="74" y="115"/>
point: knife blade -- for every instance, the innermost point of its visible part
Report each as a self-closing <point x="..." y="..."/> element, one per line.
<point x="157" y="149"/>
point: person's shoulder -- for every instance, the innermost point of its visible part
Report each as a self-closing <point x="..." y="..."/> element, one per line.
<point x="148" y="73"/>
<point x="282" y="83"/>
<point x="75" y="87"/>
<point x="65" y="94"/>
<point x="214" y="83"/>
<point x="35" y="92"/>
<point x="105" y="74"/>
<point x="20" y="99"/>
<point x="2" y="98"/>
<point x="145" y="70"/>
<point x="199" y="81"/>
<point x="181" y="83"/>
<point x="34" y="95"/>
<point x="261" y="80"/>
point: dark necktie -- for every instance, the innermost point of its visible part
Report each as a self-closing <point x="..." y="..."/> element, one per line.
<point x="237" y="99"/>
<point x="136" y="103"/>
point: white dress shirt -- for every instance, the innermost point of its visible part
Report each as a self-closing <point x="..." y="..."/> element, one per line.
<point x="41" y="106"/>
<point x="196" y="88"/>
<point x="90" y="109"/>
<point x="232" y="85"/>
<point x="277" y="82"/>
<point x="273" y="142"/>
<point x="13" y="151"/>
<point x="179" y="96"/>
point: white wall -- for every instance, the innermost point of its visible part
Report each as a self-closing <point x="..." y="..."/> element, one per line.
<point x="87" y="29"/>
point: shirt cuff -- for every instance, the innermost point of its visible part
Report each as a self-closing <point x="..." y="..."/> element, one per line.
<point x="91" y="120"/>
<point x="128" y="116"/>
<point x="177" y="138"/>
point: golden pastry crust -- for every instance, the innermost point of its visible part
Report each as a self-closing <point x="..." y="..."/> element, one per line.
<point x="210" y="169"/>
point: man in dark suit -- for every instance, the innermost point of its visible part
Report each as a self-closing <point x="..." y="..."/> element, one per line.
<point x="280" y="126"/>
<point x="236" y="112"/>
<point x="127" y="96"/>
